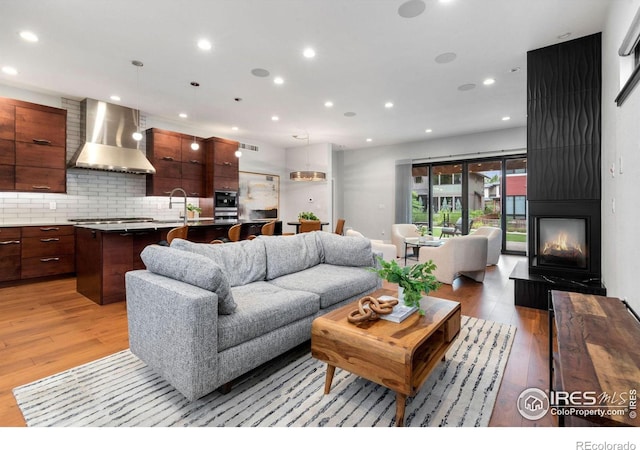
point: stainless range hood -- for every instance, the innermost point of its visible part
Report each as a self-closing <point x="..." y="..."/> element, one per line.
<point x="107" y="143"/>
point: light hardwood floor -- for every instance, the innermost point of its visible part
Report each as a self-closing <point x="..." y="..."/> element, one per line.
<point x="47" y="327"/>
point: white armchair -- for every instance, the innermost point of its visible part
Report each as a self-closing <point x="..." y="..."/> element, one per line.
<point x="399" y="231"/>
<point x="388" y="250"/>
<point x="494" y="237"/>
<point x="463" y="255"/>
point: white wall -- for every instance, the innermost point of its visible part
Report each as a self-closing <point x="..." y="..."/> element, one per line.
<point x="308" y="196"/>
<point x="369" y="174"/>
<point x="620" y="143"/>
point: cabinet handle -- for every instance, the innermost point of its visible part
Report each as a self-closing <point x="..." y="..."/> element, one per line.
<point x="194" y="161"/>
<point x="227" y="163"/>
<point x="46" y="188"/>
<point x="195" y="194"/>
<point x="167" y="158"/>
<point x="49" y="259"/>
<point x="50" y="240"/>
<point x="9" y="242"/>
<point x="41" y="142"/>
<point x="49" y="229"/>
<point x="126" y="234"/>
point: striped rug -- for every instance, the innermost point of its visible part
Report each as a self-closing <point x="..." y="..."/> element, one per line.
<point x="121" y="391"/>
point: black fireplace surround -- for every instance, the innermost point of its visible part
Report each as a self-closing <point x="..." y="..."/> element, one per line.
<point x="565" y="239"/>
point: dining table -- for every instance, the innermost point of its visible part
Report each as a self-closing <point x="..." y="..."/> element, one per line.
<point x="297" y="225"/>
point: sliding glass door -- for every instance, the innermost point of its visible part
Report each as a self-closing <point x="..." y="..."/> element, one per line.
<point x="456" y="198"/>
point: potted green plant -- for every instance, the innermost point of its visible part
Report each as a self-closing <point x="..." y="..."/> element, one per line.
<point x="412" y="281"/>
<point x="307" y="216"/>
<point x="423" y="231"/>
<point x="192" y="210"/>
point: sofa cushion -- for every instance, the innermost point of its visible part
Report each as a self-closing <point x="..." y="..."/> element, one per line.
<point x="242" y="262"/>
<point x="345" y="250"/>
<point x="290" y="254"/>
<point x="190" y="268"/>
<point x="332" y="283"/>
<point x="263" y="307"/>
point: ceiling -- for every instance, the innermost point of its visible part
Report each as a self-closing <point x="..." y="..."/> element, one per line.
<point x="366" y="55"/>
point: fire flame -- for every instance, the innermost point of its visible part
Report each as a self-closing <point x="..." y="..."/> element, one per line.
<point x="561" y="244"/>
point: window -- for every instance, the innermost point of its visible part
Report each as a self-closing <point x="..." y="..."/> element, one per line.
<point x="630" y="48"/>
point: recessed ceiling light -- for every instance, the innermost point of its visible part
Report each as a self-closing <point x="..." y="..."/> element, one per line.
<point x="10" y="70"/>
<point x="183" y="115"/>
<point x="488" y="81"/>
<point x="505" y="118"/>
<point x="388" y="105"/>
<point x="260" y="72"/>
<point x="29" y="36"/>
<point x="275" y="118"/>
<point x="445" y="58"/>
<point x="328" y="104"/>
<point x="444" y="1"/>
<point x="115" y="98"/>
<point x="564" y="35"/>
<point x="234" y="128"/>
<point x="428" y="130"/>
<point x="466" y="87"/>
<point x="309" y="52"/>
<point x="278" y="80"/>
<point x="349" y="114"/>
<point x="204" y="44"/>
<point x="411" y="8"/>
<point x="369" y="139"/>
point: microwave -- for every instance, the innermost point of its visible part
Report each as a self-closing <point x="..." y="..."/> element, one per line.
<point x="225" y="199"/>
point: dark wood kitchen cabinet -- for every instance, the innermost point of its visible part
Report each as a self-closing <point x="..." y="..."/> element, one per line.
<point x="222" y="165"/>
<point x="10" y="248"/>
<point x="47" y="251"/>
<point x="32" y="147"/>
<point x="176" y="164"/>
<point x="103" y="258"/>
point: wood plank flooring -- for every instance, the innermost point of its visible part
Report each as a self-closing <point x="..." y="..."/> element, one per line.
<point x="47" y="327"/>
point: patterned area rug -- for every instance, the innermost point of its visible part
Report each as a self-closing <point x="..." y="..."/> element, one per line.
<point x="121" y="391"/>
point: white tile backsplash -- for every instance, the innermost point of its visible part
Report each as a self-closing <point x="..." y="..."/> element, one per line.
<point x="90" y="193"/>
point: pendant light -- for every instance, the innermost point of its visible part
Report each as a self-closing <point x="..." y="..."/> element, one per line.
<point x="194" y="144"/>
<point x="137" y="136"/>
<point x="306" y="175"/>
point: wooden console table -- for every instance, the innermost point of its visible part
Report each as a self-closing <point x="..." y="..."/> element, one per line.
<point x="597" y="351"/>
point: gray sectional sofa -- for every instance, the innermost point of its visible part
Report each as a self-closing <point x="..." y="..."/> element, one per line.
<point x="203" y="314"/>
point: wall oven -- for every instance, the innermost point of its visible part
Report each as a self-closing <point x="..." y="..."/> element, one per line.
<point x="225" y="205"/>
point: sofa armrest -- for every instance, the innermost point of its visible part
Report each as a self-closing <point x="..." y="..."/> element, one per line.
<point x="173" y="329"/>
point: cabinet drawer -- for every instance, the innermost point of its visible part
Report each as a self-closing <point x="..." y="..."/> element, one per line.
<point x="46" y="231"/>
<point x="192" y="171"/>
<point x="188" y="154"/>
<point x="167" y="169"/>
<point x="34" y="179"/>
<point x="45" y="266"/>
<point x="42" y="127"/>
<point x="47" y="246"/>
<point x="11" y="233"/>
<point x="162" y="186"/>
<point x="7" y="121"/>
<point x="193" y="188"/>
<point x="7" y="152"/>
<point x="35" y="155"/>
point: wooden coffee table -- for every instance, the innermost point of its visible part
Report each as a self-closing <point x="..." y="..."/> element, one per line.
<point x="398" y="356"/>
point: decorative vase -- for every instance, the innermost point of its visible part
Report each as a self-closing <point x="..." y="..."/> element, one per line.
<point x="400" y="295"/>
<point x="423" y="239"/>
<point x="191" y="214"/>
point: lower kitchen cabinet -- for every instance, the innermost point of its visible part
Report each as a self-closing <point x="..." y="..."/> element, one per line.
<point x="10" y="248"/>
<point x="103" y="258"/>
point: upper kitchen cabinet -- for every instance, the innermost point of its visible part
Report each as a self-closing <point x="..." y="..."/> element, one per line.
<point x="32" y="147"/>
<point x="177" y="166"/>
<point x="222" y="165"/>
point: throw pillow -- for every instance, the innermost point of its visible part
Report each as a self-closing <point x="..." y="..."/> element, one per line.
<point x="345" y="250"/>
<point x="290" y="254"/>
<point x="190" y="268"/>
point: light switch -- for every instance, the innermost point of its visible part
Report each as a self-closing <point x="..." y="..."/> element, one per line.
<point x="620" y="165"/>
<point x="52" y="205"/>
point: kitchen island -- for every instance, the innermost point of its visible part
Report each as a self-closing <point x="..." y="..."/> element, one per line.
<point x="106" y="251"/>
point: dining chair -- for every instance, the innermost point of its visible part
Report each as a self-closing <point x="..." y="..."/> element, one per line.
<point x="179" y="232"/>
<point x="268" y="228"/>
<point x="309" y="225"/>
<point x="234" y="232"/>
<point x="340" y="226"/>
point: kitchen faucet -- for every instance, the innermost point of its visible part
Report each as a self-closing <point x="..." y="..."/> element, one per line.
<point x="185" y="201"/>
